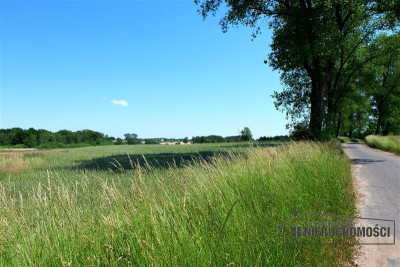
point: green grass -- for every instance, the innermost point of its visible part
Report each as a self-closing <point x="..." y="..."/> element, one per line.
<point x="346" y="139"/>
<point x="386" y="143"/>
<point x="217" y="204"/>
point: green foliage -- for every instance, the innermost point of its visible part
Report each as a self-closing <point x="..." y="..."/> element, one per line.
<point x="381" y="82"/>
<point x="185" y="140"/>
<point x="301" y="131"/>
<point x="208" y="139"/>
<point x="152" y="142"/>
<point x="319" y="48"/>
<point x="119" y="141"/>
<point x="235" y="138"/>
<point x="246" y="135"/>
<point x="130" y="136"/>
<point x="46" y="139"/>
<point x="132" y="141"/>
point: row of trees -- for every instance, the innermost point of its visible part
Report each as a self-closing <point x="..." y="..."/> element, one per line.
<point x="208" y="139"/>
<point x="245" y="135"/>
<point x="133" y="139"/>
<point x="367" y="103"/>
<point x="44" y="138"/>
<point x="338" y="59"/>
<point x="64" y="138"/>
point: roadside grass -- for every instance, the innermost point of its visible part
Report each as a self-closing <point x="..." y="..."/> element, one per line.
<point x="346" y="139"/>
<point x="386" y="143"/>
<point x="220" y="210"/>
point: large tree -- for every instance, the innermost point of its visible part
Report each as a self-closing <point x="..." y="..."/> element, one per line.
<point x="319" y="39"/>
<point x="381" y="81"/>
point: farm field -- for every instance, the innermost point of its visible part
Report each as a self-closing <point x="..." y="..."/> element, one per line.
<point x="217" y="204"/>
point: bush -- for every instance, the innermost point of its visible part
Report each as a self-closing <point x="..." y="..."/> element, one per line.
<point x="119" y="141"/>
<point x="20" y="146"/>
<point x="231" y="139"/>
<point x="208" y="139"/>
<point x="301" y="131"/>
<point x="152" y="142"/>
<point x="132" y="141"/>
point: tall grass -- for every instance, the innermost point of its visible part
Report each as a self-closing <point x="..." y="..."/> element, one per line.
<point x="16" y="162"/>
<point x="386" y="143"/>
<point x="223" y="211"/>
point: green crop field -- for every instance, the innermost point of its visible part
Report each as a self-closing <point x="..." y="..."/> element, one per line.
<point x="186" y="205"/>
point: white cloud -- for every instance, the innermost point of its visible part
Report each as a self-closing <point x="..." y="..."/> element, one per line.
<point x="120" y="102"/>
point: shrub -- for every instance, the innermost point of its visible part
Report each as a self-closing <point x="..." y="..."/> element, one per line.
<point x="132" y="141"/>
<point x="20" y="146"/>
<point x="152" y="142"/>
<point x="301" y="131"/>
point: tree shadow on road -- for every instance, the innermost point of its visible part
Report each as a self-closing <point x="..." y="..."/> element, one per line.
<point x="365" y="161"/>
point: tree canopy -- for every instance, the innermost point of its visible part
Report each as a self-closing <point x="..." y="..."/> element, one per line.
<point x="319" y="47"/>
<point x="46" y="139"/>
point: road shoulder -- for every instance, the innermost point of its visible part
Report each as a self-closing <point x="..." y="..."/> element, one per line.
<point x="369" y="255"/>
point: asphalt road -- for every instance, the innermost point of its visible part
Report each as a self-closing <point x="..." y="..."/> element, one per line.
<point x="381" y="173"/>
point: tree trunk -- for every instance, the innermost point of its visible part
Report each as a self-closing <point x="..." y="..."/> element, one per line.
<point x="379" y="122"/>
<point x="316" y="115"/>
<point x="386" y="129"/>
<point x="339" y="125"/>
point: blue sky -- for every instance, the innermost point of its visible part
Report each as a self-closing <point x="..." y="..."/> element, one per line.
<point x="154" y="68"/>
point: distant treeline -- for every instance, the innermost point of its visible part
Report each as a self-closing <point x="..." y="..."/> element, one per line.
<point x="46" y="139"/>
<point x="208" y="139"/>
<point x="236" y="138"/>
<point x="32" y="138"/>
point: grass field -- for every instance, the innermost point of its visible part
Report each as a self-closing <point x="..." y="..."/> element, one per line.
<point x="386" y="143"/>
<point x="188" y="205"/>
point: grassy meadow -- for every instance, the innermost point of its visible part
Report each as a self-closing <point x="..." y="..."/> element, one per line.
<point x="386" y="143"/>
<point x="187" y="205"/>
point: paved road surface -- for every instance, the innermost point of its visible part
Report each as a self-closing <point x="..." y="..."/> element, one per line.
<point x="381" y="173"/>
